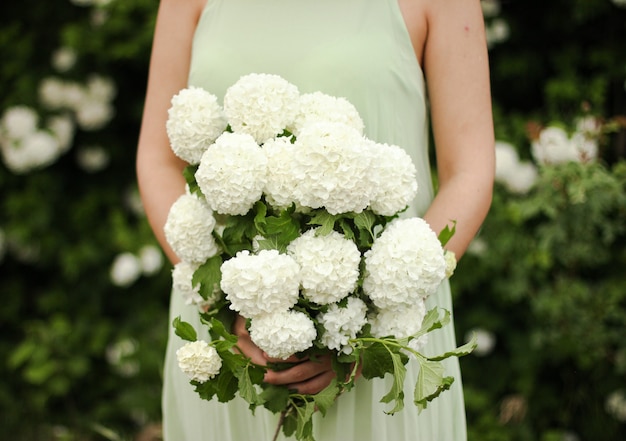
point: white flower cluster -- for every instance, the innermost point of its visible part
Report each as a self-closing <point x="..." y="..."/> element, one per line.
<point x="555" y="146"/>
<point x="195" y="121"/>
<point x="516" y="175"/>
<point x="405" y="265"/>
<point x="189" y="229"/>
<point x="342" y="323"/>
<point x="401" y="323"/>
<point x="329" y="265"/>
<point x="329" y="164"/>
<point x="270" y="142"/>
<point x="25" y="146"/>
<point x="262" y="283"/>
<point x="199" y="360"/>
<point x="90" y="103"/>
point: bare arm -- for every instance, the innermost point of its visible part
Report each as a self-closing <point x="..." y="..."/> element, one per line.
<point x="457" y="74"/>
<point x="159" y="171"/>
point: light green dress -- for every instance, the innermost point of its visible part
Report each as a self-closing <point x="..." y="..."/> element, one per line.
<point x="358" y="49"/>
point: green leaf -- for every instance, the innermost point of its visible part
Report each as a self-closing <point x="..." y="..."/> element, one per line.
<point x="377" y="361"/>
<point x="184" y="330"/>
<point x="260" y="217"/>
<point x="461" y="351"/>
<point x="325" y="220"/>
<point x="246" y="386"/>
<point x="432" y="321"/>
<point x="208" y="276"/>
<point x="365" y="221"/>
<point x="304" y="429"/>
<point x="396" y="393"/>
<point x="275" y="398"/>
<point x="446" y="234"/>
<point x="325" y="398"/>
<point x="430" y="382"/>
<point x="189" y="173"/>
<point x="227" y="386"/>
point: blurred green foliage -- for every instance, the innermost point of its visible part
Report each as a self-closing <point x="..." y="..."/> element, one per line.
<point x="82" y="355"/>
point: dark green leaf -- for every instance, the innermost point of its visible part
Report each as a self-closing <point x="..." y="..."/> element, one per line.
<point x="184" y="330"/>
<point x="326" y="397"/>
<point x="396" y="393"/>
<point x="208" y="276"/>
<point x="275" y="398"/>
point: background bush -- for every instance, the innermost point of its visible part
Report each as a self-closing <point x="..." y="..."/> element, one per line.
<point x="85" y="291"/>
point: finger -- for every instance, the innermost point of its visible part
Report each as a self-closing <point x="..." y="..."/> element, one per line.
<point x="300" y="372"/>
<point x="313" y="385"/>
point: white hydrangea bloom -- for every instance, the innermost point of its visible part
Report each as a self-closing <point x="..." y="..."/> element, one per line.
<point x="317" y="106"/>
<point x="450" y="258"/>
<point x="195" y="121"/>
<point x="18" y="122"/>
<point x="199" y="361"/>
<point x="125" y="269"/>
<point x="189" y="229"/>
<point x="232" y="174"/>
<point x="182" y="283"/>
<point x="261" y="105"/>
<point x="281" y="181"/>
<point x="497" y="31"/>
<point x="401" y="323"/>
<point x="282" y="334"/>
<point x="584" y="146"/>
<point x="36" y="150"/>
<point x="260" y="283"/>
<point x="331" y="166"/>
<point x="393" y="179"/>
<point x="342" y="324"/>
<point x="405" y="264"/>
<point x="329" y="265"/>
<point x="55" y="93"/>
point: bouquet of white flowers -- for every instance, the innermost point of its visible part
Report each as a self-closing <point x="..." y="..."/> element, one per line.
<point x="291" y="220"/>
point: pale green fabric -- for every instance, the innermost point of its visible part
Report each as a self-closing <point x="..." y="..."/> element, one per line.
<point x="358" y="49"/>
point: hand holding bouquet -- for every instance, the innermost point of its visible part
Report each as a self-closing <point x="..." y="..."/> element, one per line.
<point x="291" y="221"/>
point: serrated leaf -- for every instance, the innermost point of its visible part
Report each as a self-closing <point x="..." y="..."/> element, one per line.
<point x="259" y="218"/>
<point x="275" y="398"/>
<point x="430" y="382"/>
<point x="365" y="221"/>
<point x="206" y="390"/>
<point x="227" y="386"/>
<point x="290" y="424"/>
<point x="325" y="398"/>
<point x="432" y="321"/>
<point x="396" y="393"/>
<point x="377" y="361"/>
<point x="325" y="221"/>
<point x="184" y="330"/>
<point x="461" y="351"/>
<point x="304" y="429"/>
<point x="422" y="403"/>
<point x="283" y="225"/>
<point x="246" y="386"/>
<point x="208" y="276"/>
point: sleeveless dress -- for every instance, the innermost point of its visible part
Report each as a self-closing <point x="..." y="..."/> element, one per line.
<point x="361" y="50"/>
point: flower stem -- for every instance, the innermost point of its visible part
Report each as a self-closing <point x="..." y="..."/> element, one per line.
<point x="281" y="421"/>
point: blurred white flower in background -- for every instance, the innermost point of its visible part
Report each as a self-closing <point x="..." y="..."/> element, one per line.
<point x="92" y="159"/>
<point x="64" y="59"/>
<point x="478" y="247"/>
<point x="118" y="355"/>
<point x="125" y="270"/>
<point x="485" y="341"/>
<point x="151" y="259"/>
<point x="619" y="3"/>
<point x="63" y="128"/>
<point x="517" y="176"/>
<point x="615" y="405"/>
<point x="554" y="146"/>
<point x="491" y="8"/>
<point x="497" y="31"/>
